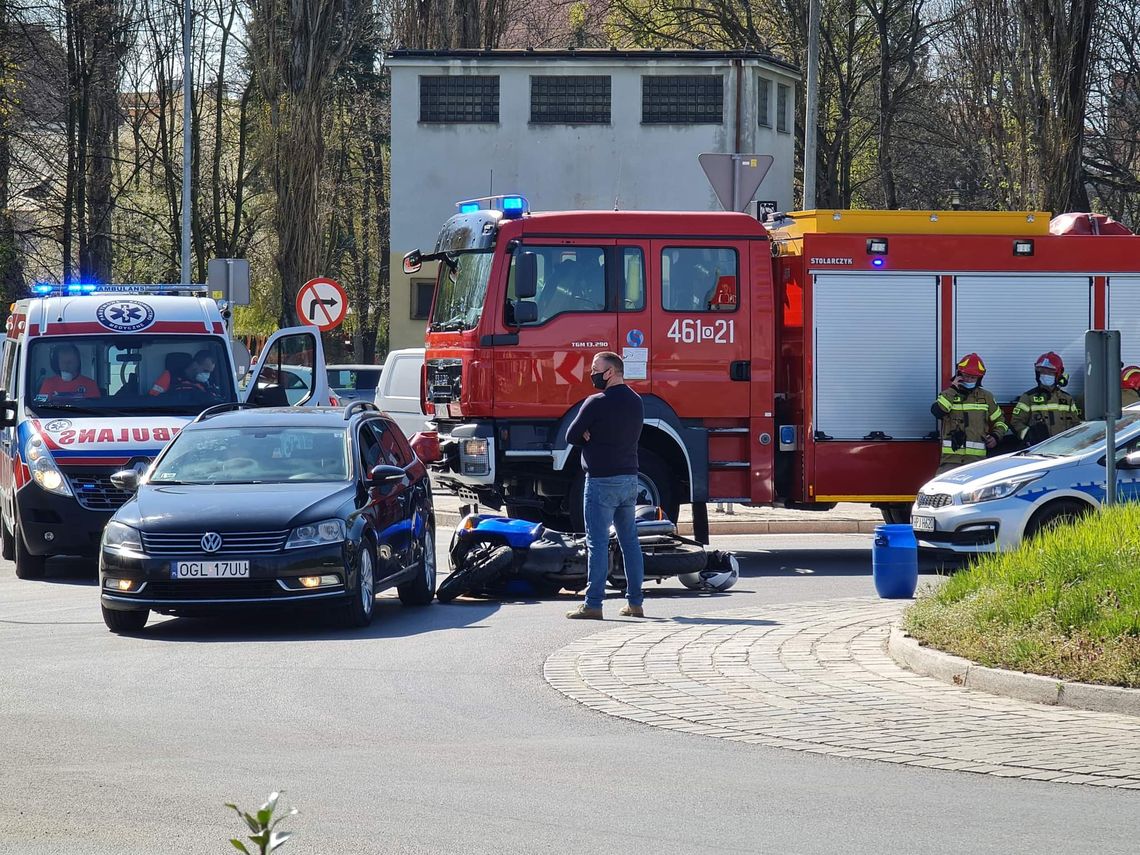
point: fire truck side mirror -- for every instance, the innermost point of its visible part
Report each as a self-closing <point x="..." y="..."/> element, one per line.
<point x="526" y="276"/>
<point x="413" y="261"/>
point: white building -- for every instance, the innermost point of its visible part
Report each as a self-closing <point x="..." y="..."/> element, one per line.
<point x="572" y="130"/>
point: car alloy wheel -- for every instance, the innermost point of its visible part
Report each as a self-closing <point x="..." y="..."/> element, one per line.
<point x="357" y="609"/>
<point x="420" y="589"/>
<point x="367" y="582"/>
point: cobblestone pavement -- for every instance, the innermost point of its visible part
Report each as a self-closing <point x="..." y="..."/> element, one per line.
<point x="816" y="677"/>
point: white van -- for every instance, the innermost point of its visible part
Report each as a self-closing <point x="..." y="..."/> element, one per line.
<point x="398" y="390"/>
<point x="94" y="381"/>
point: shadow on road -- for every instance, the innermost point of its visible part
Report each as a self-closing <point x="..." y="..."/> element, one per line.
<point x="390" y="620"/>
<point x="819" y="562"/>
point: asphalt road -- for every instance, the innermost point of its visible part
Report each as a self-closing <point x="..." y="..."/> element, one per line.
<point x="434" y="732"/>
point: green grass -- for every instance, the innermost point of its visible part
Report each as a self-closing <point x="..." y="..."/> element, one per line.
<point x="1066" y="604"/>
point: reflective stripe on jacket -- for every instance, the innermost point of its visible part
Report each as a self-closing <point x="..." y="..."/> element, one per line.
<point x="1051" y="409"/>
<point x="968" y="417"/>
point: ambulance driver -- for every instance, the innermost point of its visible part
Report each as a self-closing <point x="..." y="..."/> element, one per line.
<point x="67" y="382"/>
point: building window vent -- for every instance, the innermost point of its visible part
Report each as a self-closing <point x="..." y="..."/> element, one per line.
<point x="459" y="98"/>
<point x="570" y="100"/>
<point x="682" y="99"/>
<point x="763" y="96"/>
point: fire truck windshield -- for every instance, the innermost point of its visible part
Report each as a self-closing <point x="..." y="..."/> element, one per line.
<point x="461" y="290"/>
<point x="120" y="374"/>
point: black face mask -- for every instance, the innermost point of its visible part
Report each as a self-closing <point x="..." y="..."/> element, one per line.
<point x="599" y="379"/>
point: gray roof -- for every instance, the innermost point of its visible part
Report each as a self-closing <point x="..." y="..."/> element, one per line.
<point x="594" y="55"/>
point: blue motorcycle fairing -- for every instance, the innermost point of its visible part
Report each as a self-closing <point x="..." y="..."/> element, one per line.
<point x="518" y="534"/>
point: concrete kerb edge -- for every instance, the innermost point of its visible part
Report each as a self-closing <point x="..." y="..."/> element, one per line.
<point x="446" y="519"/>
<point x="955" y="670"/>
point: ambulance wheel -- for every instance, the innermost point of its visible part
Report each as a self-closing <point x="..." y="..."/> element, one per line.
<point x="28" y="566"/>
<point x="896" y="513"/>
<point x="7" y="542"/>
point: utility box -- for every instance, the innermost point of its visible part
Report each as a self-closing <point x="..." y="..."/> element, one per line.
<point x="228" y="279"/>
<point x="1102" y="375"/>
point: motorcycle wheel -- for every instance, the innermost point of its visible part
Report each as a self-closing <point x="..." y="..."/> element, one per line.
<point x="682" y="558"/>
<point x="475" y="573"/>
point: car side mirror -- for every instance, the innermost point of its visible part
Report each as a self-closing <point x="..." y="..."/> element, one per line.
<point x="385" y="476"/>
<point x="413" y="261"/>
<point x="526" y="275"/>
<point x="127" y="479"/>
<point x="526" y="312"/>
<point x="1131" y="460"/>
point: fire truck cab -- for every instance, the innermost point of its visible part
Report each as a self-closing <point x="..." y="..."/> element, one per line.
<point x="98" y="380"/>
<point x="792" y="362"/>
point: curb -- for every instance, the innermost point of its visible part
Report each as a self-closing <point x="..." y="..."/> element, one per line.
<point x="955" y="670"/>
<point x="450" y="520"/>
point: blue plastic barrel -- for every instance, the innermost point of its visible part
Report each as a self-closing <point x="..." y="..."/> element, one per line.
<point x="894" y="562"/>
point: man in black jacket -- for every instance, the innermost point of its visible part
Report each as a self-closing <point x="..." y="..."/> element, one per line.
<point x="607" y="429"/>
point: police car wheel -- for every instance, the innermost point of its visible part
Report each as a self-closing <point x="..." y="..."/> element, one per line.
<point x="28" y="566"/>
<point x="1053" y="515"/>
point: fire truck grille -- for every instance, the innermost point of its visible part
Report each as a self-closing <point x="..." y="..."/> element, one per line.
<point x="444" y="380"/>
<point x="93" y="489"/>
<point x="933" y="500"/>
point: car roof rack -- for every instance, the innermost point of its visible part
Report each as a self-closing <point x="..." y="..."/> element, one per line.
<point x="218" y="409"/>
<point x="362" y="405"/>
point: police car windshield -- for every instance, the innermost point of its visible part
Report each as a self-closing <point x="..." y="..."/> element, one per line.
<point x="461" y="290"/>
<point x="120" y="374"/>
<point x="1083" y="438"/>
<point x="255" y="455"/>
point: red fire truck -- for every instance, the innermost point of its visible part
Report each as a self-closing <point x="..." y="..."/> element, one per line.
<point x="791" y="363"/>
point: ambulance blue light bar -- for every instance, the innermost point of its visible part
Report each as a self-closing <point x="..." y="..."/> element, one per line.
<point x="75" y="289"/>
<point x="512" y="207"/>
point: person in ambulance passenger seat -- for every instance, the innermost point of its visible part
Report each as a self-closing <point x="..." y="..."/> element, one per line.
<point x="969" y="420"/>
<point x="67" y="381"/>
<point x="1045" y="410"/>
<point x="197" y="376"/>
<point x="1130" y="385"/>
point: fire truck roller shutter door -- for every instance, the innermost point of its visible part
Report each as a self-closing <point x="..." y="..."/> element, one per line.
<point x="876" y="354"/>
<point x="1124" y="315"/>
<point x="1012" y="319"/>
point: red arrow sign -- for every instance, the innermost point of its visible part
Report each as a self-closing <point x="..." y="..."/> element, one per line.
<point x="322" y="303"/>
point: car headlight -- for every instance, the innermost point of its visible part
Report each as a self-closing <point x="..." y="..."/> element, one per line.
<point x="122" y="538"/>
<point x="44" y="470"/>
<point x="1000" y="490"/>
<point x="316" y="534"/>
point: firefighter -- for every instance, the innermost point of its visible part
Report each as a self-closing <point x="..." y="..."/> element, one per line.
<point x="969" y="420"/>
<point x="1130" y="385"/>
<point x="1045" y="410"/>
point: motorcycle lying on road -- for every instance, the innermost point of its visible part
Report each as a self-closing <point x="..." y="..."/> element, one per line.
<point x="489" y="551"/>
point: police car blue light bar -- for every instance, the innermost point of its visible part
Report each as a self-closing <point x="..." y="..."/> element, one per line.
<point x="512" y="207"/>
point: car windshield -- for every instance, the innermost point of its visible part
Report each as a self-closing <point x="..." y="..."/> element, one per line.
<point x="254" y="455"/>
<point x="461" y="291"/>
<point x="1085" y="437"/>
<point x="123" y="374"/>
<point x="354" y="379"/>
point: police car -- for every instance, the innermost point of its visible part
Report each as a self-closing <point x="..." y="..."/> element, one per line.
<point x="994" y="504"/>
<point x="99" y="380"/>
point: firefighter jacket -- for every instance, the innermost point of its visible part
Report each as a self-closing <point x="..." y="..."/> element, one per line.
<point x="1041" y="413"/>
<point x="965" y="419"/>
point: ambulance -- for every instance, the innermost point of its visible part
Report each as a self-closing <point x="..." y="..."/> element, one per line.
<point x="95" y="380"/>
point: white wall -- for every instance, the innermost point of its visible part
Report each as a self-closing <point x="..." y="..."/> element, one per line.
<point x="565" y="167"/>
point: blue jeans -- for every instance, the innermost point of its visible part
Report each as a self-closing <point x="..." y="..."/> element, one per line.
<point x="612" y="500"/>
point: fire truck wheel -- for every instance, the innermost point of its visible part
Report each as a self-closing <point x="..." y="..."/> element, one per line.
<point x="654" y="487"/>
<point x="896" y="514"/>
<point x="28" y="566"/>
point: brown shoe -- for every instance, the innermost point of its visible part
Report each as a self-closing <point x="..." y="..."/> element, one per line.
<point x="632" y="611"/>
<point x="584" y="612"/>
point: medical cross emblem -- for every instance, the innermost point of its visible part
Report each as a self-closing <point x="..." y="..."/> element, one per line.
<point x="125" y="316"/>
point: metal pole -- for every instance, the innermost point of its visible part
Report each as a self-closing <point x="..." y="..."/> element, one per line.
<point x="811" y="97"/>
<point x="187" y="19"/>
<point x="1110" y="459"/>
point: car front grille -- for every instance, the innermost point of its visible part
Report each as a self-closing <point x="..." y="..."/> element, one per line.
<point x="93" y="489"/>
<point x="213" y="589"/>
<point x="178" y="544"/>
<point x="933" y="500"/>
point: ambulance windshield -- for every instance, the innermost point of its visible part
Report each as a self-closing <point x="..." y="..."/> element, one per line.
<point x="461" y="290"/>
<point x="122" y="374"/>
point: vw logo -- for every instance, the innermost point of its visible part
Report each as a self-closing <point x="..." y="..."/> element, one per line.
<point x="211" y="541"/>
